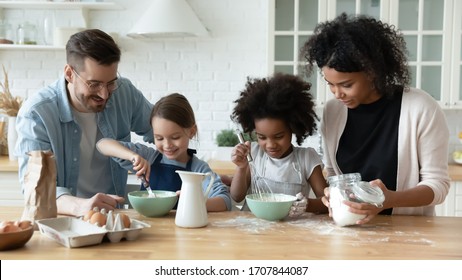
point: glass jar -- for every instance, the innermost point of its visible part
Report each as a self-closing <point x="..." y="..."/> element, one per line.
<point x="349" y="179"/>
<point x="6" y="33"/>
<point x="349" y="187"/>
<point x="27" y="34"/>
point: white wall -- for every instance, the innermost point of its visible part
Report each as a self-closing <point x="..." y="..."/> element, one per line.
<point x="209" y="71"/>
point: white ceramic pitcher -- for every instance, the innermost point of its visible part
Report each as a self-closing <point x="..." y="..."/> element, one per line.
<point x="191" y="211"/>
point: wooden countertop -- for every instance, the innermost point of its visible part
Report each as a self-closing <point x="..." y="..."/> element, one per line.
<point x="220" y="167"/>
<point x="455" y="172"/>
<point x="227" y="168"/>
<point x="239" y="235"/>
<point x="7" y="165"/>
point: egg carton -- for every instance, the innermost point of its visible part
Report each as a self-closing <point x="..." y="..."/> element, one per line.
<point x="117" y="231"/>
<point x="75" y="232"/>
<point x="114" y="225"/>
<point x="71" y="232"/>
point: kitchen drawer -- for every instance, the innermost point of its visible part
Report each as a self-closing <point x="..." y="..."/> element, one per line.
<point x="458" y="205"/>
<point x="452" y="206"/>
<point x="10" y="190"/>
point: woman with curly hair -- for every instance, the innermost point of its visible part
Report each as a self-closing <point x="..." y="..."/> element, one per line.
<point x="275" y="109"/>
<point x="393" y="135"/>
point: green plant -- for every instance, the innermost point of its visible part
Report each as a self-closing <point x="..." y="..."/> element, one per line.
<point x="227" y="138"/>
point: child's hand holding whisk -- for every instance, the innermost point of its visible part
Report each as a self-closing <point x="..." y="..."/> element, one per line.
<point x="239" y="155"/>
<point x="141" y="166"/>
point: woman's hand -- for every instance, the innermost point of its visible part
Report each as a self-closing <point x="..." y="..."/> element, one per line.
<point x="368" y="209"/>
<point x="325" y="200"/>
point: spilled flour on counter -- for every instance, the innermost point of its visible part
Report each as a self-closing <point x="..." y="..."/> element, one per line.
<point x="321" y="225"/>
<point x="307" y="221"/>
<point x="250" y="225"/>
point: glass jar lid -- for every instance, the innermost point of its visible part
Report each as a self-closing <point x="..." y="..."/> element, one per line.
<point x="369" y="194"/>
<point x="347" y="178"/>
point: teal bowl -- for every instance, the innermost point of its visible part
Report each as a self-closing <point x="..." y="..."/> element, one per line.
<point x="153" y="206"/>
<point x="271" y="207"/>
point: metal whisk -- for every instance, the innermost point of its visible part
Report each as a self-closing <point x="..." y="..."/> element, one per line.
<point x="259" y="185"/>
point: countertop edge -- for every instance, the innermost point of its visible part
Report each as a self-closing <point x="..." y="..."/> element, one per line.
<point x="6" y="165"/>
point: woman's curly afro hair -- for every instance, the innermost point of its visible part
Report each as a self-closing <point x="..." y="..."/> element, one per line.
<point x="360" y="44"/>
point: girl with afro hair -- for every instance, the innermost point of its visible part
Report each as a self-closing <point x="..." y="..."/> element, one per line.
<point x="275" y="109"/>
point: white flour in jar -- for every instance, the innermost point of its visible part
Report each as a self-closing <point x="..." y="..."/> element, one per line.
<point x="340" y="213"/>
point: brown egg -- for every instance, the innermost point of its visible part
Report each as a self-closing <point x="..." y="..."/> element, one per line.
<point x="88" y="215"/>
<point x="5" y="223"/>
<point x="11" y="228"/>
<point x="25" y="224"/>
<point x="99" y="218"/>
<point x="125" y="220"/>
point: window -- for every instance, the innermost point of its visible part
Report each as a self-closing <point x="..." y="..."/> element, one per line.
<point x="432" y="30"/>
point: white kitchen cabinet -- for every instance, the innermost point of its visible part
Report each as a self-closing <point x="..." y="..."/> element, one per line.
<point x="452" y="206"/>
<point x="291" y="22"/>
<point x="432" y="30"/>
<point x="83" y="7"/>
<point x="10" y="190"/>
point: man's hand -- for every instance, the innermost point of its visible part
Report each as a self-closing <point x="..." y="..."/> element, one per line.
<point x="77" y="206"/>
<point x="106" y="201"/>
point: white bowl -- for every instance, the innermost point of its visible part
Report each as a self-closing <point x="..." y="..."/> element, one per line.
<point x="458" y="158"/>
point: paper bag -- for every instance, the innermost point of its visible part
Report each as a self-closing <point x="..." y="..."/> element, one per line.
<point x="40" y="187"/>
<point x="3" y="137"/>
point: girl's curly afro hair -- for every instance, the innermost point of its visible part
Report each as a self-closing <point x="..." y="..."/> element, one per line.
<point x="283" y="96"/>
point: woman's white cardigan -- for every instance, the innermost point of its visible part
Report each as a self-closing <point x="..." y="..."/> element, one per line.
<point x="422" y="146"/>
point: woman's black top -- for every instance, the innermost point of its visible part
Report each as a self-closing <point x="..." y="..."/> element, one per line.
<point x="369" y="143"/>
